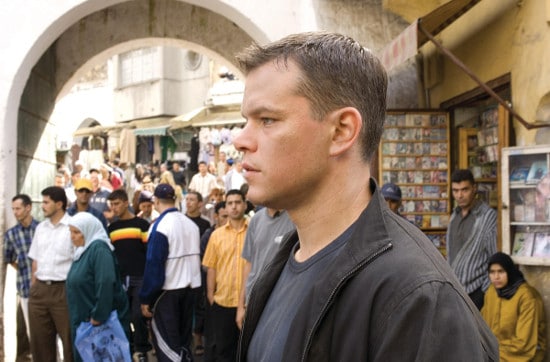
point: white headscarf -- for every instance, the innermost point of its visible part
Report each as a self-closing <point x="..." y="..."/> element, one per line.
<point x="92" y="230"/>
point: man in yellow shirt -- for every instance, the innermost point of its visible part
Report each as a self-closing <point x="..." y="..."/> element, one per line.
<point x="223" y="281"/>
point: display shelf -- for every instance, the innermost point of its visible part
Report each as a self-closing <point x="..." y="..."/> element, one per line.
<point x="480" y="151"/>
<point x="526" y="204"/>
<point x="414" y="155"/>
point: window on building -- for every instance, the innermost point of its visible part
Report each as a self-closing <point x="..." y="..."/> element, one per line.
<point x="139" y="66"/>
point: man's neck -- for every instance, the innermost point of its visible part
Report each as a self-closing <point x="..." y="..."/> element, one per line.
<point x="237" y="224"/>
<point x="193" y="214"/>
<point x="81" y="207"/>
<point x="466" y="210"/>
<point x="321" y="218"/>
<point x="127" y="215"/>
<point x="55" y="218"/>
<point x="26" y="222"/>
<point x="163" y="207"/>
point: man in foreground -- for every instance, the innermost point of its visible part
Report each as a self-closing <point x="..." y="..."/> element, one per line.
<point x="356" y="282"/>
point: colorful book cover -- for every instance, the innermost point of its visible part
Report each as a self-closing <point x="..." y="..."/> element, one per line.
<point x="538" y="170"/>
<point x="523" y="244"/>
<point x="542" y="245"/>
<point x="519" y="174"/>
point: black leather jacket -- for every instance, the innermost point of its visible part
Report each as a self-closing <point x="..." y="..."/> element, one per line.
<point x="389" y="295"/>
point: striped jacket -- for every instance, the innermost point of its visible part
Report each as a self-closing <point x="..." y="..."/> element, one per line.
<point x="470" y="264"/>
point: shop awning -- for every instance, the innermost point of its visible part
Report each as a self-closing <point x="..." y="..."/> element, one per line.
<point x="406" y="44"/>
<point x="151" y="131"/>
<point x="156" y="126"/>
<point x="209" y="117"/>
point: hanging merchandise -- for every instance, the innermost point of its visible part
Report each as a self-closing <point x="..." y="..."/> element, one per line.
<point x="215" y="137"/>
<point x="225" y="134"/>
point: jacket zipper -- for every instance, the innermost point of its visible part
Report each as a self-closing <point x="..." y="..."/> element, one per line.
<point x="335" y="290"/>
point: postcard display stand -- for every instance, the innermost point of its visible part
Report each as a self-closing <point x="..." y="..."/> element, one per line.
<point x="414" y="155"/>
<point x="526" y="204"/>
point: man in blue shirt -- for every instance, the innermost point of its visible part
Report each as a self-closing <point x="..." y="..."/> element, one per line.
<point x="17" y="242"/>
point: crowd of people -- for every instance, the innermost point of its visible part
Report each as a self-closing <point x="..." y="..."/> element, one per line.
<point x="325" y="270"/>
<point x="67" y="275"/>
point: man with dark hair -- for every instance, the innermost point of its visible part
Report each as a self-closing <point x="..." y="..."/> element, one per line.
<point x="172" y="271"/>
<point x="83" y="189"/>
<point x="356" y="282"/>
<point x="129" y="237"/>
<point x="193" y="205"/>
<point x="471" y="236"/>
<point x="179" y="176"/>
<point x="52" y="255"/>
<point x="223" y="281"/>
<point x="17" y="241"/>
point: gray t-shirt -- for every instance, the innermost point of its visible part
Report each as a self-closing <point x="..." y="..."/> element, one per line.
<point x="263" y="237"/>
<point x="461" y="228"/>
<point x="294" y="284"/>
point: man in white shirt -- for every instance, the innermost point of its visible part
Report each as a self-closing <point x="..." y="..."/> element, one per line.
<point x="52" y="254"/>
<point x="203" y="181"/>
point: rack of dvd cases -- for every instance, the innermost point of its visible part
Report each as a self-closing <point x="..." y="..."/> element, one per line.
<point x="414" y="154"/>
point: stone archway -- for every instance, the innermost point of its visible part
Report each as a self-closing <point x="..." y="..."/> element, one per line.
<point x="58" y="39"/>
<point x="98" y="36"/>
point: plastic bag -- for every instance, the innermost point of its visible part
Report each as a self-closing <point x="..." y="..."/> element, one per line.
<point x="106" y="342"/>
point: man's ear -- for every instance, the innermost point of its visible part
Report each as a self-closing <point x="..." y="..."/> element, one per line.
<point x="347" y="124"/>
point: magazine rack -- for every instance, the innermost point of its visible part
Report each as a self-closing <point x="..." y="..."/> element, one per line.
<point x="414" y="154"/>
<point x="526" y="204"/>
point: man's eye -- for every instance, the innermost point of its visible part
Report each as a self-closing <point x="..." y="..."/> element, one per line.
<point x="267" y="121"/>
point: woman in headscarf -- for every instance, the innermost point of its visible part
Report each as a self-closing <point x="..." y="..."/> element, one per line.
<point x="514" y="311"/>
<point x="94" y="288"/>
